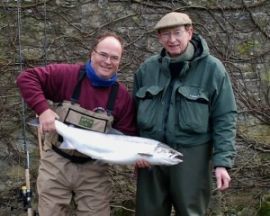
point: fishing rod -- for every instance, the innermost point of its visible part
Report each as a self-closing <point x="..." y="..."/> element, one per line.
<point x="26" y="191"/>
<point x="39" y="132"/>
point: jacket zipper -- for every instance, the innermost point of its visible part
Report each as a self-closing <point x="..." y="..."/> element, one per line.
<point x="168" y="98"/>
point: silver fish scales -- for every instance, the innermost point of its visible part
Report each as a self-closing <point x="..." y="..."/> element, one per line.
<point x="115" y="148"/>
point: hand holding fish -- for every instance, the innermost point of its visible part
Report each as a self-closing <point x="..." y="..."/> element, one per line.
<point x="142" y="164"/>
<point x="46" y="121"/>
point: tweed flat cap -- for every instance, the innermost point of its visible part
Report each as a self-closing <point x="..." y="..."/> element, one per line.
<point x="173" y="19"/>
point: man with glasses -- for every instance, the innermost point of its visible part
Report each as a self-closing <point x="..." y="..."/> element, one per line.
<point x="185" y="99"/>
<point x="86" y="96"/>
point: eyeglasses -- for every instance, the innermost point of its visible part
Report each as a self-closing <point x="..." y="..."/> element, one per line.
<point x="166" y="35"/>
<point x="104" y="56"/>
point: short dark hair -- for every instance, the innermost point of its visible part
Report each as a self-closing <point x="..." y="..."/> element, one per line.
<point x="104" y="35"/>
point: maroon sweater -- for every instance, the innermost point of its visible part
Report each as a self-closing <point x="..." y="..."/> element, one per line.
<point x="56" y="82"/>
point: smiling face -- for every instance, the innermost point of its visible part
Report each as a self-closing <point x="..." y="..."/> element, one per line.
<point x="175" y="39"/>
<point x="106" y="56"/>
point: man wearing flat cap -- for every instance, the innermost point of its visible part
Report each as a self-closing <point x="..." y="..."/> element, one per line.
<point x="184" y="99"/>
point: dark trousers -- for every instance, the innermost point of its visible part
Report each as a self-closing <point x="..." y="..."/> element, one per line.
<point x="185" y="186"/>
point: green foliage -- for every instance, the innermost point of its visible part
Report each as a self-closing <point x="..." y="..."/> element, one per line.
<point x="265" y="206"/>
<point x="246" y="47"/>
<point x="266" y="77"/>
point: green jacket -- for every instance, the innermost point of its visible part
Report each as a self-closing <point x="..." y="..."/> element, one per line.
<point x="198" y="107"/>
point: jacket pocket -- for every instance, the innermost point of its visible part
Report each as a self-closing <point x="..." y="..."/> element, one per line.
<point x="193" y="109"/>
<point x="149" y="107"/>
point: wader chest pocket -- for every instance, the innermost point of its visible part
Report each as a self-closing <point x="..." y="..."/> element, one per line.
<point x="90" y="120"/>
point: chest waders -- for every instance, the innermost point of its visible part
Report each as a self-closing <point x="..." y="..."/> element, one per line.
<point x="71" y="113"/>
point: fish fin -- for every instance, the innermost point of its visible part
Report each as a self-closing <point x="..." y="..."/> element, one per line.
<point x="145" y="154"/>
<point x="67" y="145"/>
<point x="114" y="131"/>
<point x="33" y="122"/>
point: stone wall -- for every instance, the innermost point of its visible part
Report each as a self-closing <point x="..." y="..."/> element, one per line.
<point x="39" y="32"/>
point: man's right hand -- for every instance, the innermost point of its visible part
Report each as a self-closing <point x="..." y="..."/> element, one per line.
<point x="46" y="120"/>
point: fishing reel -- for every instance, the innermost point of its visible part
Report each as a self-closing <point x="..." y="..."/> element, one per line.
<point x="26" y="196"/>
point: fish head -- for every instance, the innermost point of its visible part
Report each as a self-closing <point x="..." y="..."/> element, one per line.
<point x="166" y="155"/>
